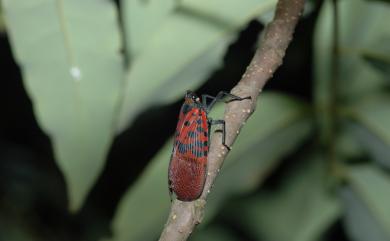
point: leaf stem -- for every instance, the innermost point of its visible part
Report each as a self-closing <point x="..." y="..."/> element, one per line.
<point x="333" y="93"/>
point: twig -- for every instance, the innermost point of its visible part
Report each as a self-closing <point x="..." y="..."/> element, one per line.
<point x="184" y="216"/>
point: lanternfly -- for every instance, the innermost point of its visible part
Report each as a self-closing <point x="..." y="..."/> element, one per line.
<point x="188" y="164"/>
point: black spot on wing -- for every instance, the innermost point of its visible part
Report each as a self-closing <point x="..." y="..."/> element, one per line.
<point x="200" y="129"/>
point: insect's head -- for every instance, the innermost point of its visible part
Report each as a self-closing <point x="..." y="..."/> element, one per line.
<point x="191" y="97"/>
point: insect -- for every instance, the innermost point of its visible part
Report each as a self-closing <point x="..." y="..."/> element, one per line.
<point x="188" y="165"/>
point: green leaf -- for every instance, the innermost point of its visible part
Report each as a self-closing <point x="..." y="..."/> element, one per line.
<point x="372" y="118"/>
<point x="186" y="46"/>
<point x="300" y="210"/>
<point x="369" y="141"/>
<point x="69" y="55"/>
<point x="361" y="26"/>
<point x="346" y="144"/>
<point x="381" y="63"/>
<point x="142" y="19"/>
<point x="366" y="202"/>
<point x="380" y="59"/>
<point x="143" y="210"/>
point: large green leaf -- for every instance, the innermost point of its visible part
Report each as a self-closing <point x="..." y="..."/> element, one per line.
<point x="371" y="127"/>
<point x="366" y="202"/>
<point x="143" y="210"/>
<point x="69" y="55"/>
<point x="301" y="210"/>
<point x="186" y="45"/>
<point x="361" y="26"/>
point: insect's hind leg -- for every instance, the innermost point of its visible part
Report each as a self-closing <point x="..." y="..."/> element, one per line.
<point x="221" y="122"/>
<point x="219" y="97"/>
<point x="170" y="189"/>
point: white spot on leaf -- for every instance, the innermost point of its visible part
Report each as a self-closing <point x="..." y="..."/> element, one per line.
<point x="75" y="72"/>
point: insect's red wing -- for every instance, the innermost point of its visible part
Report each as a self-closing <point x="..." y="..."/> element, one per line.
<point x="188" y="165"/>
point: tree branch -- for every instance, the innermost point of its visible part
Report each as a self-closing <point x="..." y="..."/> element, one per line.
<point x="184" y="216"/>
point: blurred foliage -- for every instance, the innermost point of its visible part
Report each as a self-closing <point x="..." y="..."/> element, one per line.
<point x="300" y="210"/>
<point x="366" y="203"/>
<point x="307" y="164"/>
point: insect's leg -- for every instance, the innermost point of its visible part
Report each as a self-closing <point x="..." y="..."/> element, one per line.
<point x="170" y="189"/>
<point x="204" y="101"/>
<point x="221" y="122"/>
<point x="170" y="186"/>
<point x="209" y="123"/>
<point x="219" y="97"/>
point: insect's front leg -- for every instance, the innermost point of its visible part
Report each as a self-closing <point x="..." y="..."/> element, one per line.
<point x="219" y="97"/>
<point x="221" y="122"/>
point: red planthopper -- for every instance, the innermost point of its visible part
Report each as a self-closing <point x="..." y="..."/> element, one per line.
<point x="188" y="165"/>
